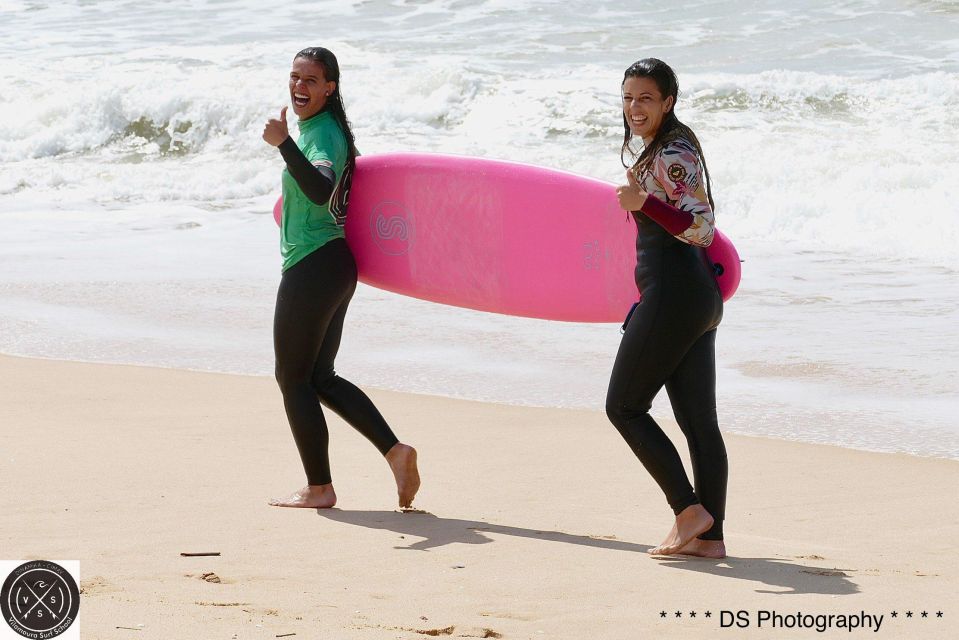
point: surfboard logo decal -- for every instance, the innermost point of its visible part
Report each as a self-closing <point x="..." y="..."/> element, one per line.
<point x="592" y="256"/>
<point x="392" y="228"/>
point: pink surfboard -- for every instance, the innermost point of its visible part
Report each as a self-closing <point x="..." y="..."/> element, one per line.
<point x="499" y="236"/>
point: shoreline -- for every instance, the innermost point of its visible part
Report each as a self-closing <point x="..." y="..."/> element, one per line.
<point x="663" y="419"/>
<point x="533" y="522"/>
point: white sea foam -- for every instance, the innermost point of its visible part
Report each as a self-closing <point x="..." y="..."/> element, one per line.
<point x="823" y="160"/>
<point x="135" y="190"/>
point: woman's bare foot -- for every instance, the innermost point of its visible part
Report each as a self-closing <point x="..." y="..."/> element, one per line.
<point x="314" y="496"/>
<point x="704" y="549"/>
<point x="402" y="459"/>
<point x="690" y="522"/>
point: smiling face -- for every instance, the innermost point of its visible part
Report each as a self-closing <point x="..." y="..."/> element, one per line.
<point x="644" y="107"/>
<point x="309" y="88"/>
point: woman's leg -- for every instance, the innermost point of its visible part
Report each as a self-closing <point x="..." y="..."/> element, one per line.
<point x="647" y="356"/>
<point x="692" y="393"/>
<point x="656" y="340"/>
<point x="356" y="408"/>
<point x="309" y="295"/>
<point x="341" y="395"/>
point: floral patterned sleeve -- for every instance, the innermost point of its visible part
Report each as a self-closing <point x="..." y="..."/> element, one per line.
<point x="679" y="171"/>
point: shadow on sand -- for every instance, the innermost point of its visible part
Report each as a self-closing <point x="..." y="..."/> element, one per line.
<point x="782" y="575"/>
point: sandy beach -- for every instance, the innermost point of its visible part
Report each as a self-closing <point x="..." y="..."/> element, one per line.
<point x="136" y="194"/>
<point x="533" y="523"/>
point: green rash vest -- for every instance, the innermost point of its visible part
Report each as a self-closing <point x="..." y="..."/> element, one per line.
<point x="307" y="226"/>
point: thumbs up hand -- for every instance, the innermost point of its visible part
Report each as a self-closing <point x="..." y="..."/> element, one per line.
<point x="631" y="195"/>
<point x="276" y="131"/>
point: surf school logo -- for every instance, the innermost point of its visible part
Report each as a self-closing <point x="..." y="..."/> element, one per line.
<point x="40" y="599"/>
<point x="676" y="172"/>
<point x="391" y="228"/>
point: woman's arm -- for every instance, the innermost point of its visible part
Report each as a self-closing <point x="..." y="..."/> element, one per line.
<point x="678" y="169"/>
<point x="316" y="180"/>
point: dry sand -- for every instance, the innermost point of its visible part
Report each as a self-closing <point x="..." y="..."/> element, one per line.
<point x="535" y="522"/>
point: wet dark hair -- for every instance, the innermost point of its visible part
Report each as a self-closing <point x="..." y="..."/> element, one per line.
<point x="671" y="128"/>
<point x="334" y="104"/>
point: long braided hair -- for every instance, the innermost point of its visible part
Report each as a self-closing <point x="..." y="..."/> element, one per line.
<point x="334" y="104"/>
<point x="670" y="129"/>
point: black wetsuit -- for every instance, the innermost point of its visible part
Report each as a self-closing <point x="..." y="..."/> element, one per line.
<point x="670" y="341"/>
<point x="311" y="306"/>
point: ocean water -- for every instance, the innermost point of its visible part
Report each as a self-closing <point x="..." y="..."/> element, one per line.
<point x="135" y="191"/>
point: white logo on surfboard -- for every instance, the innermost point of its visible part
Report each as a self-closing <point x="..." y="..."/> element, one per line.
<point x="391" y="228"/>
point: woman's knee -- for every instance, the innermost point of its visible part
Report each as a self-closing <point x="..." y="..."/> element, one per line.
<point x="323" y="381"/>
<point x="289" y="378"/>
<point x="621" y="412"/>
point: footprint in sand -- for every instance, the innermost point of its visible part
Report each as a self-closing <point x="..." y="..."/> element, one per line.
<point x="95" y="586"/>
<point x="209" y="576"/>
<point x="827" y="572"/>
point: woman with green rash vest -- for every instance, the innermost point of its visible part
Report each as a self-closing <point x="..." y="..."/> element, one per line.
<point x="318" y="281"/>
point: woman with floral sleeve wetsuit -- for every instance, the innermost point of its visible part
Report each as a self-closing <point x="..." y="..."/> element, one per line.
<point x="319" y="278"/>
<point x="669" y="338"/>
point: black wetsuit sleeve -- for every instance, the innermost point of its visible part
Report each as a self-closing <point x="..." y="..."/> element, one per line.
<point x="316" y="182"/>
